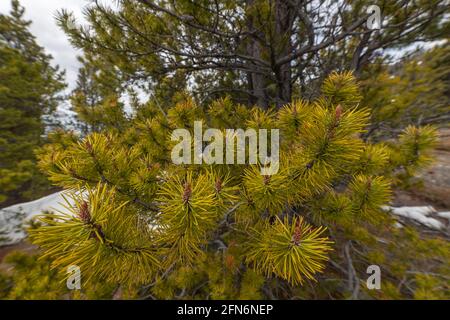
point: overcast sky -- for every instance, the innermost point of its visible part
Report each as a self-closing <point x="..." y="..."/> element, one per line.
<point x="49" y="36"/>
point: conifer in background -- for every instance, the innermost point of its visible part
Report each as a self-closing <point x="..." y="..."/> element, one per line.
<point x="258" y="52"/>
<point x="413" y="91"/>
<point x="29" y="88"/>
<point x="95" y="99"/>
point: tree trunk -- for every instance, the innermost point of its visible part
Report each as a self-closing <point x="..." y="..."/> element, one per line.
<point x="256" y="81"/>
<point x="283" y="28"/>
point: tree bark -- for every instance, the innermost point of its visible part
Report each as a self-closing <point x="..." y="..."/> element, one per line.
<point x="256" y="81"/>
<point x="283" y="29"/>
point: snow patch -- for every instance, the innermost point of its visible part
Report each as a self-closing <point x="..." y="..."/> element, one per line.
<point x="419" y="214"/>
<point x="12" y="218"/>
<point x="444" y="214"/>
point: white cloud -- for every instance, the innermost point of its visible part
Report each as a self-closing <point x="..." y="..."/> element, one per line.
<point x="42" y="13"/>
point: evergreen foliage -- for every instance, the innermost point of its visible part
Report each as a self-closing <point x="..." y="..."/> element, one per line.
<point x="226" y="231"/>
<point x="29" y="88"/>
<point x="258" y="52"/>
<point x="32" y="278"/>
<point x="413" y="91"/>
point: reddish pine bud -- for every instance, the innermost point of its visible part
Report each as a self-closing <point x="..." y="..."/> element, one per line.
<point x="266" y="180"/>
<point x="230" y="262"/>
<point x="369" y="183"/>
<point x="88" y="146"/>
<point x="187" y="192"/>
<point x="338" y="112"/>
<point x="218" y="185"/>
<point x="296" y="237"/>
<point x="84" y="213"/>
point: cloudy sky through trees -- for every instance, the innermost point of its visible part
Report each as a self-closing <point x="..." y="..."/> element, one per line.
<point x="42" y="14"/>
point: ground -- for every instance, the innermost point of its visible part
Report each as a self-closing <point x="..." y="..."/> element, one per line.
<point x="434" y="187"/>
<point x="437" y="178"/>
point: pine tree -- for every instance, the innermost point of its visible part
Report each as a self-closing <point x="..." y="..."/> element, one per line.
<point x="256" y="51"/>
<point x="95" y="100"/>
<point x="400" y="94"/>
<point x="227" y="231"/>
<point x="29" y="88"/>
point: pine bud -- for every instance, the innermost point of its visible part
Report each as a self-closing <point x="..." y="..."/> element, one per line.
<point x="230" y="262"/>
<point x="218" y="185"/>
<point x="88" y="147"/>
<point x="187" y="192"/>
<point x="296" y="237"/>
<point x="335" y="122"/>
<point x="84" y="213"/>
<point x="338" y="112"/>
<point x="266" y="180"/>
